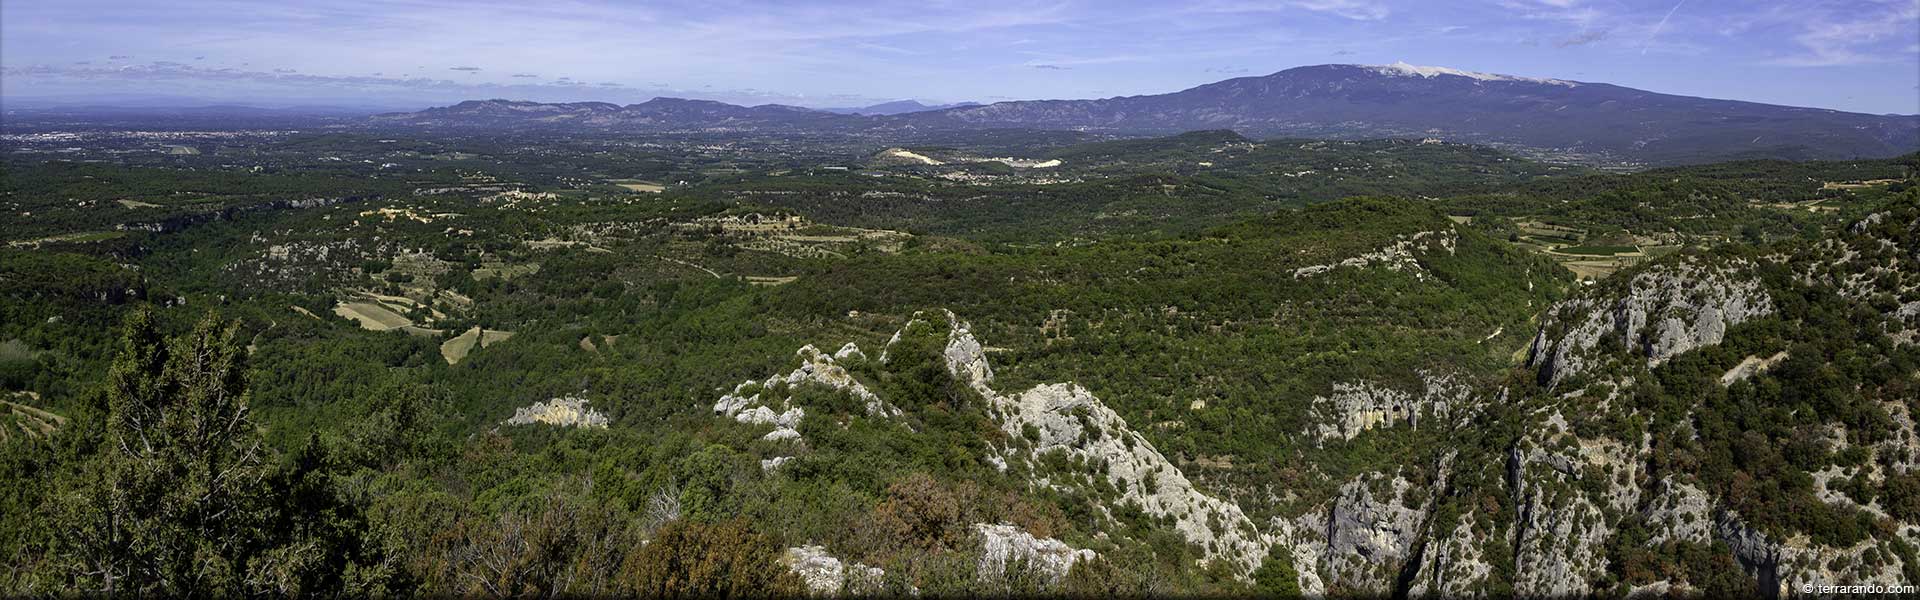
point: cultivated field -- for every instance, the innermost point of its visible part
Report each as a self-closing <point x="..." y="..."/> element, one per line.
<point x="456" y="349"/>
<point x="637" y="185"/>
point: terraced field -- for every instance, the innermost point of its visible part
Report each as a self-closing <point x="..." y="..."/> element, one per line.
<point x="457" y="349"/>
<point x="372" y="316"/>
<point x="22" y="419"/>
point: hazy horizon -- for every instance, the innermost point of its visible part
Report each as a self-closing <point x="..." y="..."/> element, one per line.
<point x="1858" y="55"/>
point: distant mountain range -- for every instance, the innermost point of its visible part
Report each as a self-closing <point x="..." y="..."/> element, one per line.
<point x="897" y="107"/>
<point x="1588" y="122"/>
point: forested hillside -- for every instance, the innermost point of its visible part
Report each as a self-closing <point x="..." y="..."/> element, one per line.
<point x="335" y="364"/>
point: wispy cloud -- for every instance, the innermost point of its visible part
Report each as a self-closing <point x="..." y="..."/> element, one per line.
<point x="1364" y="10"/>
<point x="1583" y="39"/>
<point x="1853" y="38"/>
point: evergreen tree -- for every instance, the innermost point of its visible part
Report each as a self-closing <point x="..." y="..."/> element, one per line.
<point x="174" y="492"/>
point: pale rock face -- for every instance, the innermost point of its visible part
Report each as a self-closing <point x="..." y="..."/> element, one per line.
<point x="1371" y="534"/>
<point x="1070" y="419"/>
<point x="816" y="368"/>
<point x="966" y="359"/>
<point x="1665" y="311"/>
<point x="1860" y="227"/>
<point x="825" y="575"/>
<point x="1561" y="530"/>
<point x="1306" y="537"/>
<point x="849" y="351"/>
<point x="1360" y="406"/>
<point x="1760" y="557"/>
<point x="565" y="411"/>
<point x="1002" y="543"/>
<point x="1452" y="566"/>
<point x="1750" y="366"/>
<point x="1357" y="407"/>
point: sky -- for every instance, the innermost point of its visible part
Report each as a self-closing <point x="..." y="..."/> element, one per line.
<point x="1854" y="55"/>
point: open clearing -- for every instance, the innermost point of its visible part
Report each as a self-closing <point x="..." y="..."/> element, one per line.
<point x="72" y="238"/>
<point x="372" y="316"/>
<point x="456" y="349"/>
<point x="1599" y="250"/>
<point x="1854" y="185"/>
<point x="637" y="185"/>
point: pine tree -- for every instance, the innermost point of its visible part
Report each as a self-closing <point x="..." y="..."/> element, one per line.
<point x="171" y="491"/>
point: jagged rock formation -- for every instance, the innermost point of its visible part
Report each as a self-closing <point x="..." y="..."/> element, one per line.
<point x="1664" y="311"/>
<point x="565" y="411"/>
<point x="1368" y="534"/>
<point x="1003" y="543"/>
<point x="1453" y="563"/>
<point x="1562" y="525"/>
<point x="1575" y="488"/>
<point x="1065" y="417"/>
<point x="1580" y="475"/>
<point x="745" y="405"/>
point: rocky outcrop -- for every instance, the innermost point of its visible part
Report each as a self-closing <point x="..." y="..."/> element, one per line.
<point x="1680" y="512"/>
<point x="1784" y="567"/>
<point x="1401" y="255"/>
<point x="1658" y="313"/>
<point x="565" y="411"/>
<point x="1562" y="524"/>
<point x="825" y="575"/>
<point x="1750" y="366"/>
<point x="1875" y="262"/>
<point x="1066" y="418"/>
<point x="1453" y="565"/>
<point x="1360" y="406"/>
<point x="1002" y="544"/>
<point x="1356" y="407"/>
<point x="1370" y="534"/>
<point x="745" y="404"/>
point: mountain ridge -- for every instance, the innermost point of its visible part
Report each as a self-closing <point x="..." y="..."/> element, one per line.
<point x="1551" y="118"/>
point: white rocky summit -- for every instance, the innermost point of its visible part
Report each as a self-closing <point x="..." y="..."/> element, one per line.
<point x="1402" y="69"/>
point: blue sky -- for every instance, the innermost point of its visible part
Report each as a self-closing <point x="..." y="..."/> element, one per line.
<point x="1860" y="55"/>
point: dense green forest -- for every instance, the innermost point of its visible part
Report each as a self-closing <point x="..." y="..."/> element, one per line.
<point x="255" y="370"/>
